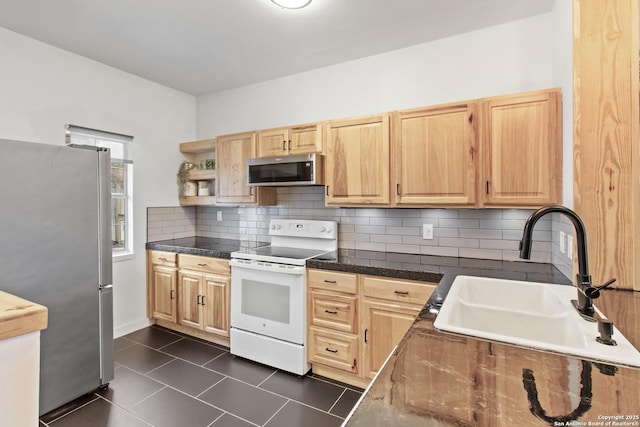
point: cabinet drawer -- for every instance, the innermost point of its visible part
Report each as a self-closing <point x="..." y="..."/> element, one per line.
<point x="333" y="311"/>
<point x="330" y="280"/>
<point x="168" y="259"/>
<point x="397" y="290"/>
<point x="206" y="264"/>
<point x="333" y="349"/>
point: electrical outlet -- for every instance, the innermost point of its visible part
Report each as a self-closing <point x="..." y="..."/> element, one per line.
<point x="219" y="217"/>
<point x="427" y="231"/>
<point x="563" y="242"/>
<point x="569" y="246"/>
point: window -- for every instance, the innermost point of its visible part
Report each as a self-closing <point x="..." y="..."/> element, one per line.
<point x="121" y="182"/>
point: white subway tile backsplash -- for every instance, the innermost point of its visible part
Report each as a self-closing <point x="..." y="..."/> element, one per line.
<point x="439" y="213"/>
<point x="407" y="249"/>
<point x="480" y="253"/>
<point x="470" y="233"/>
<point x="367" y="246"/>
<point x="459" y="223"/>
<point x="459" y="242"/>
<point x="480" y="233"/>
<point x="386" y="238"/>
<point x="439" y="251"/>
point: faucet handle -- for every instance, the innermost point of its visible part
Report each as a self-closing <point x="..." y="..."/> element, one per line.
<point x="605" y="327"/>
<point x="594" y="292"/>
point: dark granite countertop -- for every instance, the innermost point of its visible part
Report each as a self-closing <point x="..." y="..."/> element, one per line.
<point x="433" y="268"/>
<point x="203" y="246"/>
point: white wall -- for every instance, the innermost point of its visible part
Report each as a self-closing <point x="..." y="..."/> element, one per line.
<point x="509" y="58"/>
<point x="43" y="88"/>
<point x="563" y="77"/>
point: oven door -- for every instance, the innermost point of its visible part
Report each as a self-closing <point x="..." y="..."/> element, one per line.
<point x="269" y="299"/>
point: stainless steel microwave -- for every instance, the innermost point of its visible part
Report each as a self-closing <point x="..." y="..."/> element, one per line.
<point x="300" y="169"/>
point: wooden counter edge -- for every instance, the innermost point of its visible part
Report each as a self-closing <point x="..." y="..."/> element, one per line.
<point x="19" y="316"/>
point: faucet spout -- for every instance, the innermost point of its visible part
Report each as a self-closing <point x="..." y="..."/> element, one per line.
<point x="583" y="278"/>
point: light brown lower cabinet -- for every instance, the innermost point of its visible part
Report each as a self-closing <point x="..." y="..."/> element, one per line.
<point x="192" y="296"/>
<point x="204" y="302"/>
<point x="355" y="321"/>
<point x="162" y="285"/>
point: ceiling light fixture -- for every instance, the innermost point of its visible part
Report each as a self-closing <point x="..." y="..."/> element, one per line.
<point x="292" y="4"/>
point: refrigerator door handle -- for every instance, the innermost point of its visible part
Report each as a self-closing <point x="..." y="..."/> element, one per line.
<point x="105" y="245"/>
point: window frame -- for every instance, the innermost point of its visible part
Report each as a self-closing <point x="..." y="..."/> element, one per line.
<point x="86" y="136"/>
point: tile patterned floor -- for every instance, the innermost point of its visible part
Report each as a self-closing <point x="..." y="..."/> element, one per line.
<point x="163" y="378"/>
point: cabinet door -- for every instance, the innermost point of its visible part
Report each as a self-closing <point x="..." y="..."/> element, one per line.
<point x="384" y="325"/>
<point x="164" y="293"/>
<point x="190" y="299"/>
<point x="435" y="152"/>
<point x="357" y="166"/>
<point x="215" y="304"/>
<point x="232" y="154"/>
<point x="273" y="142"/>
<point x="305" y="139"/>
<point x="522" y="149"/>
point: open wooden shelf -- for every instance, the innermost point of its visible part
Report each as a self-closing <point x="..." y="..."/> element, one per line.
<point x="198" y="146"/>
<point x="202" y="174"/>
<point x="197" y="200"/>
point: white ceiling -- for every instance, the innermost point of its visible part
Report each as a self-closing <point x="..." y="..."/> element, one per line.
<point x="205" y="46"/>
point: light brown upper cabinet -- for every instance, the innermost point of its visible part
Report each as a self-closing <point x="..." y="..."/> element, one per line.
<point x="232" y="152"/>
<point x="357" y="163"/>
<point x="301" y="139"/>
<point x="521" y="148"/>
<point x="435" y="155"/>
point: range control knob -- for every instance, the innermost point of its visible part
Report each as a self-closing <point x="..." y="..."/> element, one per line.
<point x="273" y="226"/>
<point x="329" y="229"/>
<point x="278" y="227"/>
<point x="323" y="229"/>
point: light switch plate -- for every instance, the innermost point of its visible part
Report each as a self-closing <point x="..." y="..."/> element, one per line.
<point x="569" y="246"/>
<point x="563" y="242"/>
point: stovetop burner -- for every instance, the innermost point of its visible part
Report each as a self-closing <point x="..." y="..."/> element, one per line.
<point x="294" y="241"/>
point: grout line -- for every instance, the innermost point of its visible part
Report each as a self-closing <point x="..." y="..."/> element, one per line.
<point x="125" y="409"/>
<point x="76" y="409"/>
<point x="337" y="400"/>
<point x="266" y="379"/>
<point x="276" y="413"/>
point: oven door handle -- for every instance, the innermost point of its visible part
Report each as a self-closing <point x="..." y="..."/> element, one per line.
<point x="270" y="267"/>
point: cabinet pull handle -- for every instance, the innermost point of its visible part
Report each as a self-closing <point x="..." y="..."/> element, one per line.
<point x="251" y="191"/>
<point x="403" y="293"/>
<point x="284" y="145"/>
<point x="487" y="187"/>
<point x="289" y="145"/>
<point x="172" y="294"/>
<point x="326" y="189"/>
<point x="330" y="281"/>
<point x="398" y="189"/>
<point x="331" y="312"/>
<point x="199" y="299"/>
<point x="202" y="301"/>
<point x="330" y="351"/>
<point x="365" y="336"/>
<point x="202" y="265"/>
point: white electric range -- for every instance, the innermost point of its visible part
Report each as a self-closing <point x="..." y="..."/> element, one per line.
<point x="268" y="293"/>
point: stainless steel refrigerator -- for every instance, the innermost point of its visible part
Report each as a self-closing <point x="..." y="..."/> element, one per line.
<point x="55" y="250"/>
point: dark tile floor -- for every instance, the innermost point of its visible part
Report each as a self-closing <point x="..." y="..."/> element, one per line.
<point x="163" y="378"/>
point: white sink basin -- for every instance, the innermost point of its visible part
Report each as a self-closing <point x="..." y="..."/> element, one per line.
<point x="528" y="314"/>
